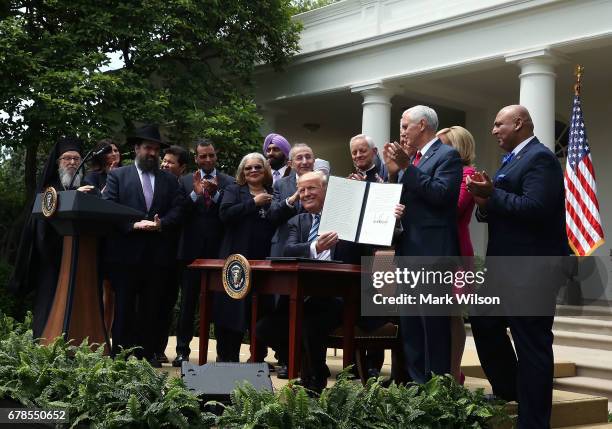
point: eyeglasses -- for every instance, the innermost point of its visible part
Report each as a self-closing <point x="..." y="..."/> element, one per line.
<point x="253" y="167"/>
<point x="71" y="158"/>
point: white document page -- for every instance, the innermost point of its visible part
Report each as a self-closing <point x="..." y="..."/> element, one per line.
<point x="378" y="220"/>
<point x="342" y="207"/>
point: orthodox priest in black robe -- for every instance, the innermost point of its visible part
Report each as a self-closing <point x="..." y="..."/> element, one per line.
<point x="40" y="249"/>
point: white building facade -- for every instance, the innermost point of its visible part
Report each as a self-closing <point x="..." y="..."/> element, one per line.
<point x="363" y="62"/>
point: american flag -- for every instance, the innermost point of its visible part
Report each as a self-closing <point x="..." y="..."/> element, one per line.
<point x="583" y="223"/>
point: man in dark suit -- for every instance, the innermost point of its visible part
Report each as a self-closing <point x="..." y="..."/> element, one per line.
<point x="138" y="255"/>
<point x="285" y="205"/>
<point x="201" y="235"/>
<point x="524" y="208"/>
<point x="175" y="163"/>
<point x="431" y="182"/>
<point x="285" y="200"/>
<point x="321" y="315"/>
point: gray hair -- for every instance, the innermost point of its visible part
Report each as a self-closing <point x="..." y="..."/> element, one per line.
<point x="240" y="179"/>
<point x="298" y="146"/>
<point x="368" y="140"/>
<point x="419" y="112"/>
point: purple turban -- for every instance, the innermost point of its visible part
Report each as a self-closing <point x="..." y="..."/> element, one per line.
<point x="279" y="141"/>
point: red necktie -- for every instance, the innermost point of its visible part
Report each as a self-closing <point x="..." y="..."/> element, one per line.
<point x="417" y="158"/>
<point x="207" y="197"/>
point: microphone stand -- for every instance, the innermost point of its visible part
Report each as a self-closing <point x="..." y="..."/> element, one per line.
<point x="87" y="157"/>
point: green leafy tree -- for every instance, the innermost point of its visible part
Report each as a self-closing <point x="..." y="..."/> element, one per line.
<point x="185" y="64"/>
<point x="300" y="6"/>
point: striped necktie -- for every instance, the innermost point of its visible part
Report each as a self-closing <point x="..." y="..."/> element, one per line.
<point x="314" y="229"/>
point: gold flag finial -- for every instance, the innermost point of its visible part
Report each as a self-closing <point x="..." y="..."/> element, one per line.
<point x="578" y="74"/>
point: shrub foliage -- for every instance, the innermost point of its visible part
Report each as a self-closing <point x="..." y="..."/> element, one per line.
<point x="100" y="392"/>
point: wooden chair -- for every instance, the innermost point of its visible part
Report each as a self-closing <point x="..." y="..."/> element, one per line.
<point x="385" y="338"/>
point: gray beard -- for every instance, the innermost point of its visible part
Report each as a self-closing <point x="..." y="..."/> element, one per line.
<point x="66" y="177"/>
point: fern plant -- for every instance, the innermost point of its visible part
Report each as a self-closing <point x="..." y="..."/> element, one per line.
<point x="124" y="392"/>
<point x="97" y="391"/>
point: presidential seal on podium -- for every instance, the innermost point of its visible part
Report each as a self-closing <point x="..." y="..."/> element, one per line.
<point x="49" y="202"/>
<point x="236" y="276"/>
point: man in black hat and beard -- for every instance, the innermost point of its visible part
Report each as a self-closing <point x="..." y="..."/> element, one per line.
<point x="40" y="249"/>
<point x="138" y="256"/>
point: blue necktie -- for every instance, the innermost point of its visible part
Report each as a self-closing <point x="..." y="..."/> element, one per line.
<point x="507" y="158"/>
<point x="314" y="229"/>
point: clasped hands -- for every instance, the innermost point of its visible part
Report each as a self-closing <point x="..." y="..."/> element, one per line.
<point x="147" y="225"/>
<point x="361" y="177"/>
<point x="396" y="157"/>
<point x="480" y="185"/>
<point x="200" y="185"/>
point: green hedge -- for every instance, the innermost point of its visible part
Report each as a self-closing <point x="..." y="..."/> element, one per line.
<point x="100" y="392"/>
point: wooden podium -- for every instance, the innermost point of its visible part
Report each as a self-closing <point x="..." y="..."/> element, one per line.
<point x="80" y="218"/>
<point x="296" y="280"/>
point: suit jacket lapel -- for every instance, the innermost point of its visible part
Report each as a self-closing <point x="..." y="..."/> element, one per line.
<point x="517" y="159"/>
<point x="140" y="193"/>
<point x="430" y="153"/>
<point x="306" y="224"/>
<point x="189" y="183"/>
<point x="159" y="190"/>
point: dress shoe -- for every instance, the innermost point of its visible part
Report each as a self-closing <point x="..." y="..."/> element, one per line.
<point x="178" y="361"/>
<point x="282" y="372"/>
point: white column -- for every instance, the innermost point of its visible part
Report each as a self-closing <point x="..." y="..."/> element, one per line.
<point x="376" y="119"/>
<point x="538" y="90"/>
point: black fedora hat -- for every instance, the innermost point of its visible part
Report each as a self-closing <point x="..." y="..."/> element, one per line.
<point x="147" y="132"/>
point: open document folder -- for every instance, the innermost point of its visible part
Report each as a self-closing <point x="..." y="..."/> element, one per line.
<point x="360" y="211"/>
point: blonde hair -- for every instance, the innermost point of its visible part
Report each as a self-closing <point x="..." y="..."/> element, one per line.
<point x="241" y="180"/>
<point x="318" y="175"/>
<point x="462" y="141"/>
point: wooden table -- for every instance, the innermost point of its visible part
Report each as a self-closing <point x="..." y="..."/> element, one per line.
<point x="296" y="280"/>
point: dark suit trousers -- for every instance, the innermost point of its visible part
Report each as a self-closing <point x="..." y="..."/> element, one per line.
<point x="168" y="296"/>
<point x="138" y="290"/>
<point x="321" y="317"/>
<point x="527" y="380"/>
<point x="427" y="345"/>
<point x="190" y="291"/>
<point x="228" y="344"/>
